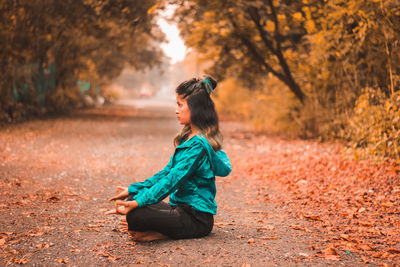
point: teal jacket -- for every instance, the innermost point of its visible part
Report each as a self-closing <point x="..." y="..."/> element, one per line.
<point x="188" y="178"/>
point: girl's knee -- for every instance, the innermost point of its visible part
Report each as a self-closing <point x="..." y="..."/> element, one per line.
<point x="136" y="220"/>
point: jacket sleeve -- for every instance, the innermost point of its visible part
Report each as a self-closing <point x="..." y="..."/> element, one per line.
<point x="134" y="188"/>
<point x="187" y="164"/>
<point x="225" y="168"/>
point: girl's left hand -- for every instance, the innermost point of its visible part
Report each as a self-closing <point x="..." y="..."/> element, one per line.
<point x="122" y="192"/>
<point x="123" y="207"/>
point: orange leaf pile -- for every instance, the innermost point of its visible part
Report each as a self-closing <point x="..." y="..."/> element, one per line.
<point x="354" y="204"/>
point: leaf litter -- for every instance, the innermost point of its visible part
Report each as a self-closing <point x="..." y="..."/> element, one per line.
<point x="355" y="205"/>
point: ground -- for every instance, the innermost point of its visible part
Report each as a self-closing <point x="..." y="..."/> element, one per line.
<point x="57" y="173"/>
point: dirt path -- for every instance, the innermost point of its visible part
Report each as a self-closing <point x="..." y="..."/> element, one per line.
<point x="56" y="175"/>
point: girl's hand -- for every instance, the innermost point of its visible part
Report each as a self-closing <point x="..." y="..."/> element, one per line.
<point x="123" y="207"/>
<point x="122" y="192"/>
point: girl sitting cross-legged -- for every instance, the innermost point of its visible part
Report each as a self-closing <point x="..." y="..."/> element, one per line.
<point x="188" y="178"/>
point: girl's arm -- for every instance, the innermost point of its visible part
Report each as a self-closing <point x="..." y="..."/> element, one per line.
<point x="136" y="187"/>
<point x="188" y="161"/>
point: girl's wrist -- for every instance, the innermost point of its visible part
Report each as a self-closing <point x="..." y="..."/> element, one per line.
<point x="135" y="203"/>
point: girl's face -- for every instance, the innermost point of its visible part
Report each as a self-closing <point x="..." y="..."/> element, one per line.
<point x="182" y="111"/>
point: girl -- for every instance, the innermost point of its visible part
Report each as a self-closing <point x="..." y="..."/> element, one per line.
<point x="189" y="177"/>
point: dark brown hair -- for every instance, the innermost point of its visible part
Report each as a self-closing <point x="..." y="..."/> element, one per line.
<point x="202" y="110"/>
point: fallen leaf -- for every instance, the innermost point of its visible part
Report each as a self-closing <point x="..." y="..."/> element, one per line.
<point x="97" y="221"/>
<point x="266" y="227"/>
<point x="64" y="261"/>
<point x="19" y="261"/>
<point x="35" y="234"/>
<point x="296" y="227"/>
<point x="106" y="245"/>
<point x="331" y="254"/>
<point x="222" y="224"/>
<point x="255" y="211"/>
<point x="107" y="255"/>
<point x="95" y="225"/>
<point x="367" y="224"/>
<point x="44" y="245"/>
<point x="312" y="217"/>
<point x="331" y="251"/>
<point x="365" y="247"/>
<point x="270" y="237"/>
<point x="365" y="260"/>
<point x="6" y="233"/>
<point x="380" y="254"/>
<point x="53" y="199"/>
<point x="393" y="251"/>
<point x="14" y="252"/>
<point x="387" y="204"/>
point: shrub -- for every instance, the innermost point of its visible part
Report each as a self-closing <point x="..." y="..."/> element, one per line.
<point x="270" y="109"/>
<point x="64" y="99"/>
<point x="375" y="125"/>
<point x="233" y="100"/>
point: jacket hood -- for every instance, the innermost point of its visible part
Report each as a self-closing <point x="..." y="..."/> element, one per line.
<point x="220" y="162"/>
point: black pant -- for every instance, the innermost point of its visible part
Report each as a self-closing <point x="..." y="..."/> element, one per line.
<point x="176" y="222"/>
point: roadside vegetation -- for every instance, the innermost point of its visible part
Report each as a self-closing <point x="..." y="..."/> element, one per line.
<point x="312" y="69"/>
<point x="319" y="69"/>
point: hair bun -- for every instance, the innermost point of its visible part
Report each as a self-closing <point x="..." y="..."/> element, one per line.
<point x="209" y="83"/>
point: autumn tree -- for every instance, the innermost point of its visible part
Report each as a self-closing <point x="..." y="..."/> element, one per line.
<point x="86" y="39"/>
<point x="328" y="53"/>
<point x="352" y="72"/>
<point x="247" y="39"/>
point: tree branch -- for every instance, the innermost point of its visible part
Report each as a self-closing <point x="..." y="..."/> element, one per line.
<point x="253" y="50"/>
<point x="255" y="17"/>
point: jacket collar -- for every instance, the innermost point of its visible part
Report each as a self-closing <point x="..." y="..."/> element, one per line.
<point x="220" y="163"/>
<point x="187" y="143"/>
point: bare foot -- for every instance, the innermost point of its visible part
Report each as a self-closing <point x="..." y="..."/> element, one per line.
<point x="124" y="227"/>
<point x="146" y="236"/>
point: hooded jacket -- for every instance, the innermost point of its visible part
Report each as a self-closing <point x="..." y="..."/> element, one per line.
<point x="189" y="177"/>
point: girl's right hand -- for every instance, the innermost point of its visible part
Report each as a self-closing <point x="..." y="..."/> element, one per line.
<point x="122" y="192"/>
<point x="123" y="207"/>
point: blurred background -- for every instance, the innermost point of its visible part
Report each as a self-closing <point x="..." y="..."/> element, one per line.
<point x="311" y="69"/>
